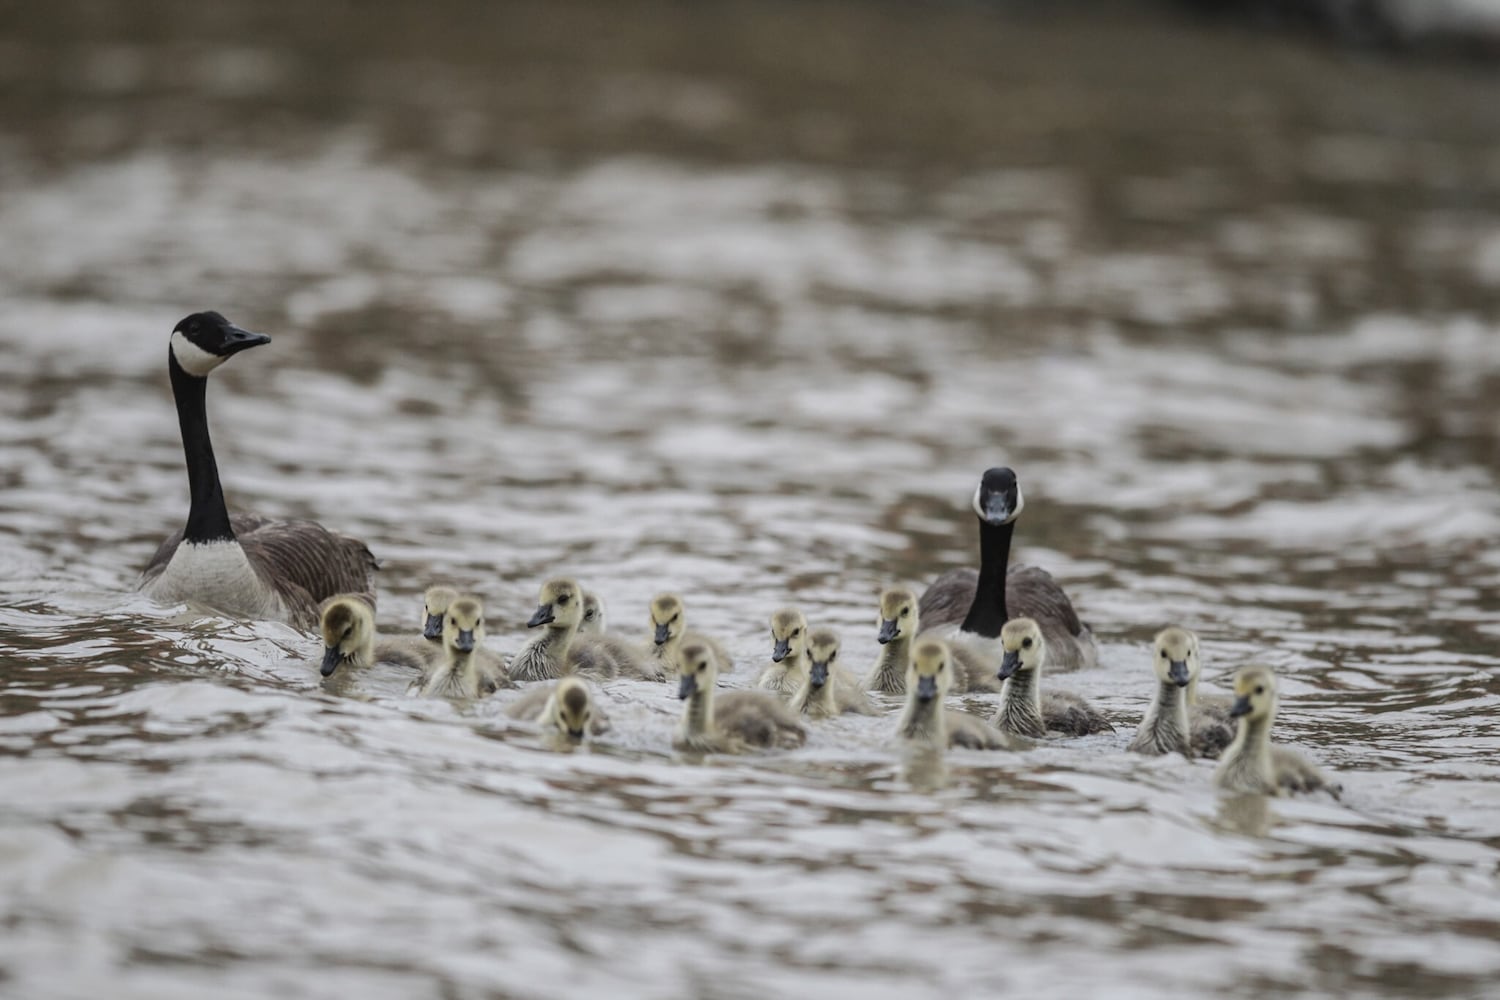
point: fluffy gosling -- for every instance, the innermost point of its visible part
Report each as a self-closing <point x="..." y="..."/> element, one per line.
<point x="565" y="710"/>
<point x="347" y="624"/>
<point x="594" y="620"/>
<point x="1252" y="763"/>
<point x="560" y="650"/>
<point x="434" y="606"/>
<point x="828" y="689"/>
<point x="733" y="722"/>
<point x="669" y="630"/>
<point x="467" y="669"/>
<point x="899" y="625"/>
<point x="1175" y="723"/>
<point x="1024" y="710"/>
<point x="926" y="722"/>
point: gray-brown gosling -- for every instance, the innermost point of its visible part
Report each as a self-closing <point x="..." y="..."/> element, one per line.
<point x="732" y="722"/>
<point x="1173" y="723"/>
<point x="899" y="624"/>
<point x="788" y="666"/>
<point x="241" y="565"/>
<point x="828" y="689"/>
<point x="347" y="625"/>
<point x="566" y="710"/>
<point x="435" y="603"/>
<point x="560" y="650"/>
<point x="594" y="620"/>
<point x="980" y="603"/>
<point x="926" y="721"/>
<point x="669" y="630"/>
<point x="1024" y="709"/>
<point x="1252" y="763"/>
<point x="467" y="669"/>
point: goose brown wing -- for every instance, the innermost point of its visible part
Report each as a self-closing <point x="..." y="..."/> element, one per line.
<point x="308" y="563"/>
<point x="946" y="600"/>
<point x="1030" y="592"/>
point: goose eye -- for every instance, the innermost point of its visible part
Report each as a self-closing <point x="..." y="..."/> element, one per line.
<point x="1026" y="643"/>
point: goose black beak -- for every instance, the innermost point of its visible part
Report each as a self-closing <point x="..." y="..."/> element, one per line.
<point x="818" y="675"/>
<point x="465" y="641"/>
<point x="543" y="616"/>
<point x="1240" y="707"/>
<point x="331" y="660"/>
<point x="687" y="687"/>
<point x="1009" y="664"/>
<point x="237" y="340"/>
<point x="662" y="635"/>
<point x="780" y="649"/>
<point x="1178" y="673"/>
<point x="889" y="630"/>
<point x="926" y="689"/>
<point x="434" y="627"/>
<point x="997" y="509"/>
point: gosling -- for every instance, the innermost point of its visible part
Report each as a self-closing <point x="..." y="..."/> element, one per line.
<point x="434" y="606"/>
<point x="828" y="689"/>
<point x="467" y="669"/>
<point x="1024" y="710"/>
<point x="734" y="722"/>
<point x="594" y="620"/>
<point x="899" y="625"/>
<point x="669" y="630"/>
<point x="565" y="710"/>
<point x="560" y="650"/>
<point x="788" y="666"/>
<point x="926" y="722"/>
<point x="1174" y="723"/>
<point x="347" y="624"/>
<point x="1252" y="763"/>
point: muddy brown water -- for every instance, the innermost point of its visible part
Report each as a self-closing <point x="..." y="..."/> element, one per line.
<point x="739" y="300"/>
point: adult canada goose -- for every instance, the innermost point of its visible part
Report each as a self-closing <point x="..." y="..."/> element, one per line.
<point x="243" y="566"/>
<point x="981" y="602"/>
<point x="566" y="710"/>
<point x="669" y="630"/>
<point x="926" y="721"/>
<point x="828" y="689"/>
<point x="1024" y="710"/>
<point x="1252" y="763"/>
<point x="1177" y="720"/>
<point x="347" y="624"/>
<point x="594" y="620"/>
<point x="733" y="722"/>
<point x="974" y="670"/>
<point x="467" y="669"/>
<point x="788" y="666"/>
<point x="435" y="603"/>
<point x="560" y="650"/>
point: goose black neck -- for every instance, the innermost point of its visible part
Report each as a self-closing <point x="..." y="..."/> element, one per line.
<point x="988" y="614"/>
<point x="208" y="517"/>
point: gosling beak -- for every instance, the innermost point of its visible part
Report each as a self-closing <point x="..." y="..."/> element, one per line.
<point x="1009" y="664"/>
<point x="889" y="630"/>
<point x="926" y="689"/>
<point x="543" y="616"/>
<point x="237" y="340"/>
<point x="687" y="687"/>
<point x="434" y="628"/>
<point x="465" y="641"/>
<point x="331" y="660"/>
<point x="780" y="650"/>
<point x="1240" y="707"/>
<point x="661" y="635"/>
<point x="1178" y="673"/>
<point x="818" y="675"/>
<point x="576" y="735"/>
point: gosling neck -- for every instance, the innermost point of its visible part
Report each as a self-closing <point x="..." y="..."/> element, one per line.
<point x="923" y="721"/>
<point x="208" y="517"/>
<point x="817" y="701"/>
<point x="895" y="656"/>
<point x="988" y="614"/>
<point x="1021" y="704"/>
<point x="698" y="716"/>
<point x="1252" y="742"/>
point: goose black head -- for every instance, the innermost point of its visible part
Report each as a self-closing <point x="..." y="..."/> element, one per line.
<point x="998" y="498"/>
<point x="204" y="341"/>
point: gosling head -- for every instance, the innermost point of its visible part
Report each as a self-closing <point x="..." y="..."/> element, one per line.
<point x="348" y="626"/>
<point x="573" y="709"/>
<point x="697" y="670"/>
<point x="463" y="628"/>
<point x="822" y="652"/>
<point x="560" y="603"/>
<point x="204" y="341"/>
<point x="898" y="614"/>
<point x="930" y="673"/>
<point x="788" y="634"/>
<point x="666" y="618"/>
<point x="434" y="606"/>
<point x="998" y="499"/>
<point x="1254" y="693"/>
<point x="1176" y="658"/>
<point x="593" y="613"/>
<point x="1021" y="639"/>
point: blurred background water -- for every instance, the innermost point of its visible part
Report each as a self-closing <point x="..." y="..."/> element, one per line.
<point x="739" y="299"/>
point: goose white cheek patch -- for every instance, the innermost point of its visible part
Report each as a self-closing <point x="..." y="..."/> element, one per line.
<point x="193" y="359"/>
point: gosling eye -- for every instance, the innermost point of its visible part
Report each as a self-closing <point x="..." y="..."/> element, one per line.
<point x="796" y="632"/>
<point x="453" y="622"/>
<point x="1260" y="689"/>
<point x="905" y="612"/>
<point x="702" y="666"/>
<point x="833" y="656"/>
<point x="562" y="600"/>
<point x="1026" y="642"/>
<point x="1164" y="655"/>
<point x="940" y="667"/>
